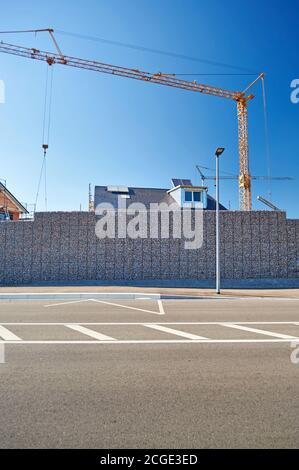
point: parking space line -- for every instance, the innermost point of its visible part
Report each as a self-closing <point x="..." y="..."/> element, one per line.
<point x="256" y="330"/>
<point x="124" y="306"/>
<point x="91" y="333"/>
<point x="86" y="328"/>
<point x="165" y="329"/>
<point x="8" y="335"/>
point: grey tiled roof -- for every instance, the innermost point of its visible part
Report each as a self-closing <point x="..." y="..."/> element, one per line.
<point x="142" y="195"/>
<point x="212" y="204"/>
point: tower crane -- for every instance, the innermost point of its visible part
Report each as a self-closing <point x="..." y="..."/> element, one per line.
<point x="241" y="98"/>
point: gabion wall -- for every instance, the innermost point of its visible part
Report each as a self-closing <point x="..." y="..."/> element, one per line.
<point x="62" y="246"/>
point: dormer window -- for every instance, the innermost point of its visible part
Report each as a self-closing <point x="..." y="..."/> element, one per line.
<point x="197" y="196"/>
<point x="188" y="196"/>
<point x="193" y="196"/>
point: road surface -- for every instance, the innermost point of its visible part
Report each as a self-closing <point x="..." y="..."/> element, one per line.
<point x="206" y="373"/>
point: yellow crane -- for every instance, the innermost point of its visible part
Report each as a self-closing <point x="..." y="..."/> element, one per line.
<point x="240" y="97"/>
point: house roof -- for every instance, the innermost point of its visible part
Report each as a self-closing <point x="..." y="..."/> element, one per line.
<point x="145" y="196"/>
<point x="9" y="195"/>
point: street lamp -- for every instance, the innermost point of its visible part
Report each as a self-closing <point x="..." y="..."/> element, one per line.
<point x="219" y="151"/>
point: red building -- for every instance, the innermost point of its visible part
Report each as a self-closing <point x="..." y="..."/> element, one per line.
<point x="10" y="207"/>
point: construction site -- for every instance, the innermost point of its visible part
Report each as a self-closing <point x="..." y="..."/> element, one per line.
<point x="149" y="233"/>
<point x="46" y="246"/>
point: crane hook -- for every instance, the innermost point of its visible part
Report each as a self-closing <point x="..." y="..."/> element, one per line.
<point x="45" y="147"/>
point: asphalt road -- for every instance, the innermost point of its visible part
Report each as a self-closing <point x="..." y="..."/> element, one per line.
<point x="149" y="374"/>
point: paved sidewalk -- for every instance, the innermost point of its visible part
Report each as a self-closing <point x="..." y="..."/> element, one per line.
<point x="163" y="291"/>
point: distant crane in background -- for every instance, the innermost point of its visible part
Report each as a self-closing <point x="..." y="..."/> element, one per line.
<point x="268" y="203"/>
<point x="240" y="97"/>
<point x="236" y="177"/>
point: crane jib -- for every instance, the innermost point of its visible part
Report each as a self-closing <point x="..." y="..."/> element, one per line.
<point x="158" y="78"/>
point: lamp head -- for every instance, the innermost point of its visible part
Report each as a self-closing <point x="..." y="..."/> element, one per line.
<point x="219" y="151"/>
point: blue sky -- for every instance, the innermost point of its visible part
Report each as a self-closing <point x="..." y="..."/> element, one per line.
<point x="110" y="130"/>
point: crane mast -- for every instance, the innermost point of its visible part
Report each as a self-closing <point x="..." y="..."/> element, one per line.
<point x="245" y="197"/>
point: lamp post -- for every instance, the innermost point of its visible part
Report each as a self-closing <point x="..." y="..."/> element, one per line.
<point x="218" y="152"/>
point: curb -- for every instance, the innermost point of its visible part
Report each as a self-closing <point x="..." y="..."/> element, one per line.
<point x="79" y="296"/>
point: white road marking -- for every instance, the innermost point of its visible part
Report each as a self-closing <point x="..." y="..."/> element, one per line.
<point x="169" y="341"/>
<point x="11" y="338"/>
<point x="91" y="333"/>
<point x="161" y="308"/>
<point x="125" y="306"/>
<point x="149" y="323"/>
<point x="2" y="353"/>
<point x="256" y="330"/>
<point x="8" y="335"/>
<point x="67" y="302"/>
<point x="174" y="332"/>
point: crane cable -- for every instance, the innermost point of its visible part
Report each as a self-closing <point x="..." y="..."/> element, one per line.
<point x="24" y="31"/>
<point x="46" y="134"/>
<point x="155" y="51"/>
<point x="242" y="70"/>
<point x="267" y="144"/>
